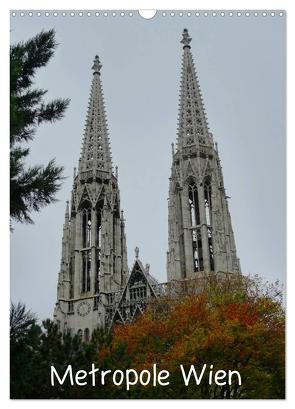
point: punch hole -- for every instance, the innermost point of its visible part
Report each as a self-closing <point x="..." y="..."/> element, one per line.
<point x="147" y="14"/>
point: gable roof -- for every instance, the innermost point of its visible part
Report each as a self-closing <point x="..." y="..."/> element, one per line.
<point x="137" y="277"/>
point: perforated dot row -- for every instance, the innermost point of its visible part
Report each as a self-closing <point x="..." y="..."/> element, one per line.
<point x="73" y="13"/>
<point x="221" y="13"/>
<point x="162" y="13"/>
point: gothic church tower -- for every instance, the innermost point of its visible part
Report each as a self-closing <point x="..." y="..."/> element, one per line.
<point x="94" y="256"/>
<point x="201" y="238"/>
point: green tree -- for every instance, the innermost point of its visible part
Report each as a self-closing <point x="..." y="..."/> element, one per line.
<point x="31" y="188"/>
<point x="24" y="343"/>
<point x="34" y="348"/>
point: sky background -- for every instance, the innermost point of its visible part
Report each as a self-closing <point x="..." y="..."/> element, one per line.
<point x="240" y="62"/>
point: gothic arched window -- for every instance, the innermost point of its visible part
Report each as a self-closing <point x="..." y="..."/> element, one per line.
<point x="86" y="270"/>
<point x="80" y="333"/>
<point x="98" y="249"/>
<point x="210" y="244"/>
<point x="194" y="204"/>
<point x="196" y="232"/>
<point x="197" y="250"/>
<point x="86" y="227"/>
<point x="208" y="212"/>
<point x="71" y="268"/>
<point x="208" y="202"/>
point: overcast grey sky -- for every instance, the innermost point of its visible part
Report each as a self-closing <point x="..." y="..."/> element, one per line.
<point x="241" y="67"/>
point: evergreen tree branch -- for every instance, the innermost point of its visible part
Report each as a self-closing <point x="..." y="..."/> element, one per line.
<point x="34" y="187"/>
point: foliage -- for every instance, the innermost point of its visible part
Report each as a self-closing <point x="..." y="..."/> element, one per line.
<point x="24" y="342"/>
<point x="234" y="324"/>
<point x="33" y="187"/>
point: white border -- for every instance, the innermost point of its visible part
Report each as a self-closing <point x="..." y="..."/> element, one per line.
<point x="5" y="6"/>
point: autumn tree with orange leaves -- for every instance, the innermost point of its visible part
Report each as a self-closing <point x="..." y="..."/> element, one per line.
<point x="237" y="323"/>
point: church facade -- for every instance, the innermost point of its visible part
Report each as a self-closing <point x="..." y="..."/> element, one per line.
<point x="95" y="287"/>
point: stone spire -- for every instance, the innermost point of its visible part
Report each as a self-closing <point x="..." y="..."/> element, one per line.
<point x="94" y="251"/>
<point x="200" y="234"/>
<point x="192" y="122"/>
<point x="96" y="151"/>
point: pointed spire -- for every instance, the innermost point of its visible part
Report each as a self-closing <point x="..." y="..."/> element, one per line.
<point x="136" y="250"/>
<point x="96" y="153"/>
<point x="192" y="122"/>
<point x="172" y="149"/>
<point x="67" y="213"/>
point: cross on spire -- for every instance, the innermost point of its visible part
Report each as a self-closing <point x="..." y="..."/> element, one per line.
<point x="186" y="39"/>
<point x="96" y="65"/>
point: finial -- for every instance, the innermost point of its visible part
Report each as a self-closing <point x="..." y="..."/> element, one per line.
<point x="96" y="65"/>
<point x="136" y="252"/>
<point x="75" y="172"/>
<point x="186" y="39"/>
<point x="172" y="148"/>
<point x="122" y="214"/>
<point x="116" y="172"/>
<point x="147" y="268"/>
<point x="67" y="210"/>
